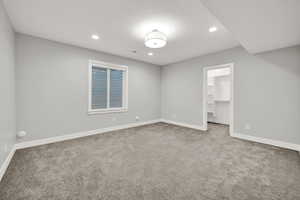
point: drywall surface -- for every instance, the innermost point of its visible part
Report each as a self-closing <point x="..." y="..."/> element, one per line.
<point x="7" y="86"/>
<point x="266" y="91"/>
<point x="52" y="89"/>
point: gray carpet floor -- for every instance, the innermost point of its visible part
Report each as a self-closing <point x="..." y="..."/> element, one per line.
<point x="153" y="162"/>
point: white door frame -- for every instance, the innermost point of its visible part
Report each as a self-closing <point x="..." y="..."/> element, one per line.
<point x="204" y="95"/>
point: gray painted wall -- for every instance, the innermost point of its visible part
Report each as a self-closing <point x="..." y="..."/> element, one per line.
<point x="52" y="89"/>
<point x="52" y="93"/>
<point x="7" y="86"/>
<point x="267" y="94"/>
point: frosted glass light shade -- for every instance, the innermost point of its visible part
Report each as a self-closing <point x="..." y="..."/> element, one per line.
<point x="155" y="39"/>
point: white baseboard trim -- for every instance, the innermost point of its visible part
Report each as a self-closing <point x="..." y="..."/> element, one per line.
<point x="39" y="142"/>
<point x="276" y="143"/>
<point x="6" y="162"/>
<point x="33" y="143"/>
<point x="201" y="128"/>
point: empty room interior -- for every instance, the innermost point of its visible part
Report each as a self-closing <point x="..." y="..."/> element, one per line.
<point x="150" y="100"/>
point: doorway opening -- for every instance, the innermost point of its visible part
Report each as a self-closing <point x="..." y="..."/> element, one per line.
<point x="218" y="95"/>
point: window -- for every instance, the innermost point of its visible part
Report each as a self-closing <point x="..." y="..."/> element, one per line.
<point x="107" y="87"/>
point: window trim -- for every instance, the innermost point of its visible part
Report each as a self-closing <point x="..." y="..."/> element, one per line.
<point x="124" y="108"/>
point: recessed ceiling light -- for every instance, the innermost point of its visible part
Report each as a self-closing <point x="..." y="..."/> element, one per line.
<point x="95" y="37"/>
<point x="213" y="29"/>
<point x="150" y="54"/>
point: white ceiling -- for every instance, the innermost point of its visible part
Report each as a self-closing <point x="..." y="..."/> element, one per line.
<point x="122" y="25"/>
<point x="260" y="25"/>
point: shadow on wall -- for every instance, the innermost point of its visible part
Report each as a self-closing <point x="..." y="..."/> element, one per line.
<point x="287" y="61"/>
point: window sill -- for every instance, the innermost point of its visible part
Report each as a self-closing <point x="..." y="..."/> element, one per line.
<point x="104" y="111"/>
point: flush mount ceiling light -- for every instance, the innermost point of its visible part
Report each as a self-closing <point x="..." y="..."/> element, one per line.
<point x="212" y="29"/>
<point x="95" y="37"/>
<point x="155" y="39"/>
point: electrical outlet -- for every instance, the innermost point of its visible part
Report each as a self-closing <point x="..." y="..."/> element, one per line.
<point x="137" y="118"/>
<point x="247" y="126"/>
